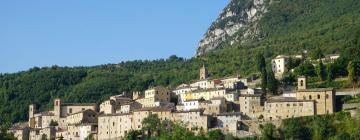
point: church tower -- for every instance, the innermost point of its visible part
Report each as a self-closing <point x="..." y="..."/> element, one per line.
<point x="203" y="73"/>
<point x="302" y="82"/>
<point x="57" y="107"/>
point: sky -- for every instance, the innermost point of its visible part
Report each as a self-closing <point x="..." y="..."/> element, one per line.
<point x="92" y="32"/>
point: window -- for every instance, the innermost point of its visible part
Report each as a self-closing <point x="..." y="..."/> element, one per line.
<point x="70" y="110"/>
<point x="301" y="83"/>
<point x="310" y="97"/>
<point x="57" y="103"/>
<point x="318" y="96"/>
<point x="327" y="96"/>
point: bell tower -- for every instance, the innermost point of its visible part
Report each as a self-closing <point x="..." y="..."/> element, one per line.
<point x="302" y="82"/>
<point x="203" y="73"/>
<point x="32" y="110"/>
<point x="135" y="95"/>
<point x="57" y="107"/>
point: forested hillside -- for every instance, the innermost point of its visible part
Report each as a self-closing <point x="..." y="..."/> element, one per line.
<point x="289" y="27"/>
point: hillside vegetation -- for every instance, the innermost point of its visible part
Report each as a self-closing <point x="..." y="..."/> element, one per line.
<point x="288" y="28"/>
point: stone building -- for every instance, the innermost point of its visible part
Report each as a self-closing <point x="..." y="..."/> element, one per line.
<point x="288" y="107"/>
<point x="203" y="73"/>
<point x="228" y="94"/>
<point x="251" y="105"/>
<point x="155" y="97"/>
<point x="315" y="101"/>
<point x="213" y="106"/>
<point x="278" y="65"/>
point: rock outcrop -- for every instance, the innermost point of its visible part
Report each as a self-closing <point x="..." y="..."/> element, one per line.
<point x="237" y="23"/>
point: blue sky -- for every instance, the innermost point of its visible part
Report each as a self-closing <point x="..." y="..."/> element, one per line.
<point x="91" y="32"/>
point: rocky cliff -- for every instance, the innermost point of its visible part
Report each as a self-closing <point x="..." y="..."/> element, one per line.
<point x="237" y="23"/>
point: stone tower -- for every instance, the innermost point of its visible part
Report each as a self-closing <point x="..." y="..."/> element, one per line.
<point x="136" y="95"/>
<point x="57" y="107"/>
<point x="32" y="110"/>
<point x="302" y="82"/>
<point x="203" y="73"/>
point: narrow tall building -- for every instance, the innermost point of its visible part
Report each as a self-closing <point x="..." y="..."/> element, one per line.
<point x="203" y="73"/>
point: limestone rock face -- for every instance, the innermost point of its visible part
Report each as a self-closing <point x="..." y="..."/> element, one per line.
<point x="237" y="23"/>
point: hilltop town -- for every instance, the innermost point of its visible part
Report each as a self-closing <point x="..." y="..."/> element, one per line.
<point x="235" y="105"/>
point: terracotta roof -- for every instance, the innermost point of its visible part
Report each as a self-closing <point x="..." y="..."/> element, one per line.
<point x="83" y="112"/>
<point x="47" y="113"/>
<point x="211" y="89"/>
<point x="192" y="110"/>
<point x="116" y="114"/>
<point x="250" y="95"/>
<point x="157" y="109"/>
<point x="286" y="99"/>
<point x="19" y="126"/>
<point x="217" y="98"/>
<point x="78" y="104"/>
<point x="230" y="114"/>
<point x="315" y="90"/>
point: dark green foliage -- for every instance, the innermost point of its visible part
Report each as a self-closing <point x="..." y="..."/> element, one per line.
<point x="151" y="125"/>
<point x="261" y="67"/>
<point x="53" y="123"/>
<point x="293" y="63"/>
<point x="320" y="71"/>
<point x="272" y="83"/>
<point x="4" y="127"/>
<point x="268" y="132"/>
<point x="44" y="137"/>
<point x="293" y="129"/>
<point x="336" y="126"/>
<point x="306" y="69"/>
<point x="215" y="135"/>
<point x="133" y="134"/>
<point x="90" y="137"/>
<point x="330" y="72"/>
<point x="317" y="54"/>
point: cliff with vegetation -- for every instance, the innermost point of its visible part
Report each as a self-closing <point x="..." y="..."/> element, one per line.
<point x="284" y="24"/>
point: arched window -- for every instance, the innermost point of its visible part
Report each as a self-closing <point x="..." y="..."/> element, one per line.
<point x="318" y="96"/>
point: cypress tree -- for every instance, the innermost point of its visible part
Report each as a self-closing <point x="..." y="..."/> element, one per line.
<point x="320" y="71"/>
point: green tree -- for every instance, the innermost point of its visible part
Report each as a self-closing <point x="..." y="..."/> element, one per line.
<point x="322" y="128"/>
<point x="272" y="83"/>
<point x="305" y="68"/>
<point x="215" y="135"/>
<point x="261" y="66"/>
<point x="268" y="132"/>
<point x="317" y="54"/>
<point x="44" y="137"/>
<point x="151" y="125"/>
<point x="53" y="123"/>
<point x="320" y="71"/>
<point x="132" y="135"/>
<point x="293" y="129"/>
<point x="330" y="72"/>
<point x="4" y="127"/>
<point x="264" y="80"/>
<point x="351" y="73"/>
